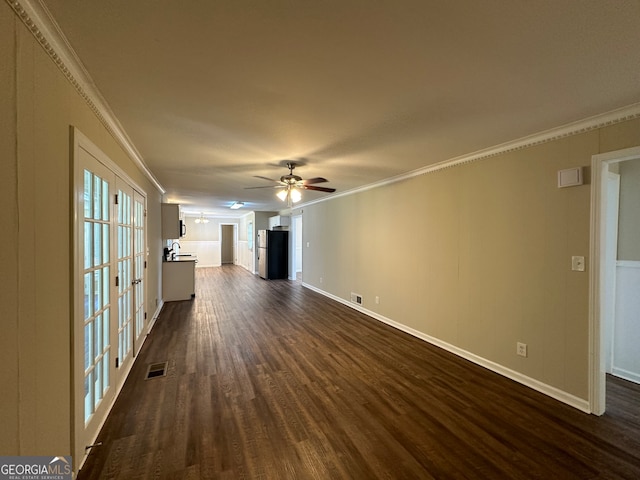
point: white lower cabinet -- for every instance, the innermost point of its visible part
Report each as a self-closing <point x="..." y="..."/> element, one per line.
<point x="178" y="280"/>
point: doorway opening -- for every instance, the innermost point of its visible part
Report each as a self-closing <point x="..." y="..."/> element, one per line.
<point x="228" y="243"/>
<point x="615" y="274"/>
<point x="296" y="249"/>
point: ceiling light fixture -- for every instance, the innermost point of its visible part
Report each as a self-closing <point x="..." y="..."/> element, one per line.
<point x="236" y="205"/>
<point x="290" y="194"/>
<point x="202" y="219"/>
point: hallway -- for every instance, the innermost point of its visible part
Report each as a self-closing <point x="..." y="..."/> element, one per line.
<point x="269" y="380"/>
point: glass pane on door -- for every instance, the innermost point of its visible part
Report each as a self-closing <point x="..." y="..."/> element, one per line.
<point x="139" y="253"/>
<point x="96" y="290"/>
<point x="125" y="267"/>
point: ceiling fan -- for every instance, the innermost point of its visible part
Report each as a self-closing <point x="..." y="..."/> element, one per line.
<point x="291" y="185"/>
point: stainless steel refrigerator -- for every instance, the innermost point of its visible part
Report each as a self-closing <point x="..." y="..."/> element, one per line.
<point x="273" y="254"/>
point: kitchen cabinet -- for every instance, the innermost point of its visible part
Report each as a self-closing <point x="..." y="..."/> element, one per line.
<point x="279" y="221"/>
<point x="178" y="280"/>
<point x="172" y="227"/>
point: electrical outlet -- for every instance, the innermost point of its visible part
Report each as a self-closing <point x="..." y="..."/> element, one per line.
<point x="320" y="279"/>
<point x="377" y="300"/>
<point x="521" y="349"/>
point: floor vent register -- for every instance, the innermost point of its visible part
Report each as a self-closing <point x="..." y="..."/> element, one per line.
<point x="156" y="370"/>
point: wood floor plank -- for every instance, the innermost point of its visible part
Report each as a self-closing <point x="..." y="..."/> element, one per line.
<point x="270" y="380"/>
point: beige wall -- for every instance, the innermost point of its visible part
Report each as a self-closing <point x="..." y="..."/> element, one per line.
<point x="35" y="407"/>
<point x="628" y="217"/>
<point x="9" y="306"/>
<point x="477" y="255"/>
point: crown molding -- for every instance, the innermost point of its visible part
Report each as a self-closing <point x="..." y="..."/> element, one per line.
<point x="595" y="122"/>
<point x="46" y="31"/>
<point x="39" y="21"/>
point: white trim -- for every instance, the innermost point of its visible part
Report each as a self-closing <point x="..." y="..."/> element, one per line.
<point x="623" y="114"/>
<point x="625" y="374"/>
<point x="628" y="263"/>
<point x="155" y="316"/>
<point x="43" y="27"/>
<point x="597" y="375"/>
<point x="541" y="387"/>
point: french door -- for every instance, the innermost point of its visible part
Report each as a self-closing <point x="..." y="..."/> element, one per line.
<point x="124" y="278"/>
<point x="94" y="369"/>
<point x="139" y="268"/>
<point x="109" y="309"/>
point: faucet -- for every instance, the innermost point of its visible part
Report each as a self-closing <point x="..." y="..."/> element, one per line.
<point x="173" y="254"/>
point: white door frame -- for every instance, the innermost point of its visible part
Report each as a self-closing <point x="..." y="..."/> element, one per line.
<point x="608" y="264"/>
<point x="598" y="285"/>
<point x="85" y="429"/>
<point x="293" y="265"/>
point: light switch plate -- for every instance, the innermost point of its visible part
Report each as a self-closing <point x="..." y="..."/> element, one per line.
<point x="577" y="264"/>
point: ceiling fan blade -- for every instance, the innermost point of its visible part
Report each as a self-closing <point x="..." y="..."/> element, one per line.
<point x="309" y="181"/>
<point x="265" y="178"/>
<point x="266" y="186"/>
<point x="319" y="189"/>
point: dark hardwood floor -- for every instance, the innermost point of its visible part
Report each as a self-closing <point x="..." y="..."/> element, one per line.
<point x="269" y="380"/>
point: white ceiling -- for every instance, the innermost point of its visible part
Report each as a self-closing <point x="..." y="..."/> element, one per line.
<point x="213" y="93"/>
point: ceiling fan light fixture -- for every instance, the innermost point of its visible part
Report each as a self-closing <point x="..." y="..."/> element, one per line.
<point x="291" y="186"/>
<point x="236" y="205"/>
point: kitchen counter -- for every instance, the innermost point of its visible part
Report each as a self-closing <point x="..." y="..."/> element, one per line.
<point x="182" y="257"/>
<point x="179" y="278"/>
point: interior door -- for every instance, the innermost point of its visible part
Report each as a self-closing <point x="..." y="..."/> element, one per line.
<point x="125" y="280"/>
<point x="94" y="304"/>
<point x="139" y="269"/>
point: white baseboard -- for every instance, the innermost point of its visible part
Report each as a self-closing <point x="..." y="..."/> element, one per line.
<point x="625" y="374"/>
<point x="553" y="392"/>
<point x="155" y="315"/>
